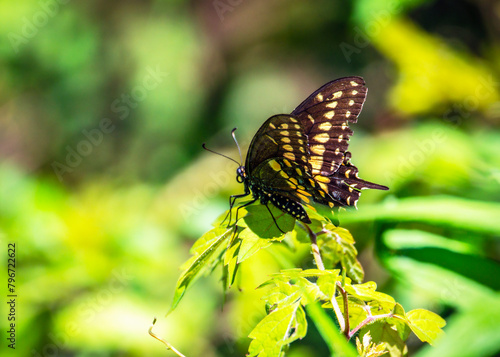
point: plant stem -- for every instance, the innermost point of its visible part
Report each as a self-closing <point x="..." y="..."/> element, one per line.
<point x="366" y="321"/>
<point x="346" y="310"/>
<point x="168" y="345"/>
<point x="315" y="248"/>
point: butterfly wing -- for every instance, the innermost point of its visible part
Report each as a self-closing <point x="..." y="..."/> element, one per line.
<point x="278" y="167"/>
<point x="280" y="136"/>
<point x="325" y="117"/>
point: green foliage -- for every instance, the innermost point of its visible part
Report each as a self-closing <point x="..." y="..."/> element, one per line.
<point x="358" y="307"/>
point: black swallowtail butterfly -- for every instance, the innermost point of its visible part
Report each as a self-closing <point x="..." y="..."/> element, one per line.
<point x="302" y="157"/>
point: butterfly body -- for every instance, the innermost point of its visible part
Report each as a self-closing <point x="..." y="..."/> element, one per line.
<point x="299" y="158"/>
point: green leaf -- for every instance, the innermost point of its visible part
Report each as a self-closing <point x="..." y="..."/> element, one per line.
<point x="425" y="324"/>
<point x="206" y="252"/>
<point x="336" y="245"/>
<point x="369" y="349"/>
<point x="328" y="283"/>
<point x="447" y="253"/>
<point x="478" y="216"/>
<point x="400" y="322"/>
<point x="384" y="332"/>
<point x="251" y="244"/>
<point x="367" y="292"/>
<point x="279" y="328"/>
<point x="262" y="223"/>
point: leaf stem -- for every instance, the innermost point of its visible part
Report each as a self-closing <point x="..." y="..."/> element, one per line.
<point x="346" y="331"/>
<point x="168" y="345"/>
<point x="315" y="248"/>
<point x="367" y="321"/>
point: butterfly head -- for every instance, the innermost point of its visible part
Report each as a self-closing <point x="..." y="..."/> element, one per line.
<point x="241" y="174"/>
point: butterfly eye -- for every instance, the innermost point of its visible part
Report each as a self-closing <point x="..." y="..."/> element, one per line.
<point x="240" y="174"/>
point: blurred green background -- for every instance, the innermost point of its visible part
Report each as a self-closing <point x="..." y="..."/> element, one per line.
<point x="104" y="185"/>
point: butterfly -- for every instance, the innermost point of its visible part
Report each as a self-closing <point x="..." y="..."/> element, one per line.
<point x="301" y="157"/>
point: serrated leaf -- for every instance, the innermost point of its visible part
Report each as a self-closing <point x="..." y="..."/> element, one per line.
<point x="425" y="324"/>
<point x="206" y="252"/>
<point x="262" y="223"/>
<point x="279" y="328"/>
<point x="336" y="245"/>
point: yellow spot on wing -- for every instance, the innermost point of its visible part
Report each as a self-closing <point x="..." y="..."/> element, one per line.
<point x="318" y="149"/>
<point x="274" y="165"/>
<point x="322" y="138"/>
<point x="286" y="140"/>
<point x="319" y="97"/>
<point x="332" y="105"/>
<point x="289" y="155"/>
<point x="348" y="200"/>
<point x="284" y="175"/>
<point x="330" y="114"/>
<point x="304" y="198"/>
<point x="351" y="102"/>
<point x="325" y="126"/>
<point x="285" y="133"/>
<point x="287" y="163"/>
<point x="288" y="147"/>
<point x="354" y="84"/>
<point x="320" y="178"/>
<point x="294" y="181"/>
<point x="347" y="114"/>
<point x="354" y="92"/>
<point x="337" y="94"/>
<point x="298" y="171"/>
<point x="302" y="192"/>
<point x="284" y="126"/>
<point x="316" y="162"/>
<point x="347" y="173"/>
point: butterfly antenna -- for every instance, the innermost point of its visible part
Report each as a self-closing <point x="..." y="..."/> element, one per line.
<point x="237" y="145"/>
<point x="214" y="152"/>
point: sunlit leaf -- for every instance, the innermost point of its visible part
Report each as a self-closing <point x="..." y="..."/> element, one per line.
<point x="383" y="332"/>
<point x="337" y="245"/>
<point x="279" y="328"/>
<point x="206" y="251"/>
<point x="426" y="324"/>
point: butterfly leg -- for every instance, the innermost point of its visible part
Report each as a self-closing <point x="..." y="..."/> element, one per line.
<point x="232" y="201"/>
<point x="244" y="205"/>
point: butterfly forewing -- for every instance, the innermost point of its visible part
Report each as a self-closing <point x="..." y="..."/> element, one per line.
<point x="280" y="136"/>
<point x="325" y="115"/>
